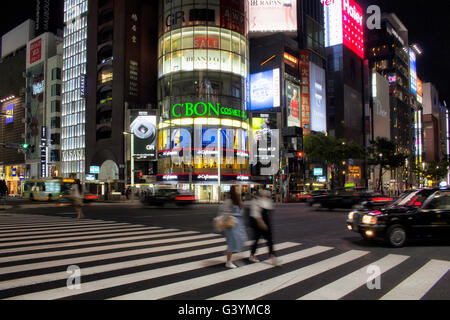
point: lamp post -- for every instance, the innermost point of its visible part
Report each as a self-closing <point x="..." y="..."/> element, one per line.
<point x="132" y="160"/>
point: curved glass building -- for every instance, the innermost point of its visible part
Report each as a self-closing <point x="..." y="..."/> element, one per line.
<point x="203" y="63"/>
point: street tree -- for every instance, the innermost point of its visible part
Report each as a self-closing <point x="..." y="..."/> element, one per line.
<point x="383" y="153"/>
<point x="334" y="153"/>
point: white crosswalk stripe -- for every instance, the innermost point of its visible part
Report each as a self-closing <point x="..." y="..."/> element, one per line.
<point x="122" y="261"/>
<point x="347" y="284"/>
<point x="418" y="284"/>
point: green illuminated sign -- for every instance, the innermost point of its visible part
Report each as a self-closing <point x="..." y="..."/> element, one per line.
<point x="203" y="109"/>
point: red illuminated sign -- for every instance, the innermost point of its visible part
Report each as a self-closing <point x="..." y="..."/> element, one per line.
<point x="344" y="25"/>
<point x="352" y="27"/>
<point x="206" y="43"/>
<point x="306" y="98"/>
<point x="35" y="51"/>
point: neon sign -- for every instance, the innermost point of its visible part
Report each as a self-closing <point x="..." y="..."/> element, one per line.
<point x="9" y="114"/>
<point x="203" y="109"/>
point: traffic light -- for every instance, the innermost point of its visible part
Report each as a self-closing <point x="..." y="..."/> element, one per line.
<point x="25" y="146"/>
<point x="300" y="154"/>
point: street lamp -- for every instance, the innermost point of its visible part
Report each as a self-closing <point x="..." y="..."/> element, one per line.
<point x="132" y="157"/>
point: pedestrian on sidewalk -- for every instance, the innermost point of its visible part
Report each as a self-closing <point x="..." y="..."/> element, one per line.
<point x="261" y="223"/>
<point x="77" y="194"/>
<point x="235" y="233"/>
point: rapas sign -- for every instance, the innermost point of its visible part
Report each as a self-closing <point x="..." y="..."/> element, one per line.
<point x="203" y="109"/>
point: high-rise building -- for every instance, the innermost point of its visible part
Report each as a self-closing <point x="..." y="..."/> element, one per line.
<point x="109" y="70"/>
<point x="73" y="111"/>
<point x="43" y="101"/>
<point x="12" y="103"/>
<point x="203" y="54"/>
<point x="347" y="78"/>
<point x="288" y="59"/>
<point x="431" y="123"/>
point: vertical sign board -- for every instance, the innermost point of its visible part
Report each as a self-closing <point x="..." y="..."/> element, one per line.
<point x="413" y="72"/>
<point x="133" y="51"/>
<point x="9" y="114"/>
<point x="36" y="51"/>
<point x="305" y="92"/>
<point x="318" y="99"/>
<point x="44" y="152"/>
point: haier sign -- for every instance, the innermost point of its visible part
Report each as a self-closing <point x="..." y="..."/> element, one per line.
<point x="344" y="25"/>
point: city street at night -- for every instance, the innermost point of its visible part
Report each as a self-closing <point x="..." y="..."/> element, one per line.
<point x="127" y="251"/>
<point x="224" y="158"/>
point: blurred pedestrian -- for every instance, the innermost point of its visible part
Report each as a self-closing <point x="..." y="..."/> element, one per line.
<point x="234" y="232"/>
<point x="77" y="194"/>
<point x="261" y="223"/>
<point x="3" y="191"/>
<point x="127" y="193"/>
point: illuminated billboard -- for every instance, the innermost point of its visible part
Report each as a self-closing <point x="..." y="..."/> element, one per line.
<point x="317" y="99"/>
<point x="9" y="114"/>
<point x="265" y="90"/>
<point x="344" y="25"/>
<point x="419" y="90"/>
<point x="143" y="127"/>
<point x="413" y="71"/>
<point x="272" y="16"/>
<point x="293" y="104"/>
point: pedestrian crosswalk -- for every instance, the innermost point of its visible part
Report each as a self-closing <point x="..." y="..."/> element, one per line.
<point x="123" y="261"/>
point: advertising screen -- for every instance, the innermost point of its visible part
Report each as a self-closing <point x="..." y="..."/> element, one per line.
<point x="265" y="90"/>
<point x="344" y="25"/>
<point x="318" y="99"/>
<point x="419" y="90"/>
<point x="265" y="145"/>
<point x="272" y="16"/>
<point x="293" y="104"/>
<point x="413" y="71"/>
<point x="10" y="114"/>
<point x="143" y="126"/>
<point x="305" y="92"/>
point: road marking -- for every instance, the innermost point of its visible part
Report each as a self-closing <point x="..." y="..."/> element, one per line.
<point x="87" y="287"/>
<point x="49" y="224"/>
<point x="52" y="227"/>
<point x="24" y="238"/>
<point x="201" y="282"/>
<point x="95" y="235"/>
<point x="418" y="284"/>
<point x="288" y="279"/>
<point x="33" y="280"/>
<point x="340" y="288"/>
<point x="80" y="242"/>
<point x="105" y="256"/>
<point x="81" y="229"/>
<point x="107" y="247"/>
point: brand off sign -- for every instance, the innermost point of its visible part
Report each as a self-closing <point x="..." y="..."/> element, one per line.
<point x="35" y="51"/>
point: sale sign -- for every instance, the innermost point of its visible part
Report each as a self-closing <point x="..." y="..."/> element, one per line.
<point x="36" y="51"/>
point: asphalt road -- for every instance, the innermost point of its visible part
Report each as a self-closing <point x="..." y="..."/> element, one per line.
<point x="296" y="227"/>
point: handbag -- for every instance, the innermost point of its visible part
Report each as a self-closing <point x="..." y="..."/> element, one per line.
<point x="224" y="221"/>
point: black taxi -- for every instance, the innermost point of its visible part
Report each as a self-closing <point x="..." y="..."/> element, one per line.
<point x="419" y="213"/>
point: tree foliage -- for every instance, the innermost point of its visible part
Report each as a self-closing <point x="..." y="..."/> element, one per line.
<point x="333" y="152"/>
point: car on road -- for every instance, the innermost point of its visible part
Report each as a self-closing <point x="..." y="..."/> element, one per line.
<point x="417" y="214"/>
<point x="307" y="196"/>
<point x="345" y="199"/>
<point x="162" y="197"/>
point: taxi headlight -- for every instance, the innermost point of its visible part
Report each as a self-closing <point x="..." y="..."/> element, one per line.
<point x="351" y="215"/>
<point x="369" y="220"/>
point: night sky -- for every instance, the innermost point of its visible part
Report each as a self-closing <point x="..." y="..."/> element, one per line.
<point x="426" y="21"/>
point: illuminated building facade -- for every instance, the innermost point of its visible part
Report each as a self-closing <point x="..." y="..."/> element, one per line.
<point x="203" y="54"/>
<point x="73" y="111"/>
